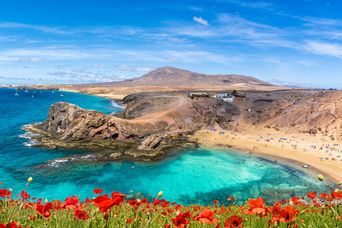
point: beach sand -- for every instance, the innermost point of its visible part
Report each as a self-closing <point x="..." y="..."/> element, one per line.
<point x="322" y="156"/>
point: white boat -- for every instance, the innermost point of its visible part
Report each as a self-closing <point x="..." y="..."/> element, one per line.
<point x="26" y="91"/>
<point x="16" y="93"/>
<point x="61" y="95"/>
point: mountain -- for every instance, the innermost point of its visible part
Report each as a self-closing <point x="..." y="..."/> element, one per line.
<point x="171" y="76"/>
<point x="171" y="79"/>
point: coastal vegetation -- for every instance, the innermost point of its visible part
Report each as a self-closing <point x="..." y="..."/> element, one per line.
<point x="117" y="210"/>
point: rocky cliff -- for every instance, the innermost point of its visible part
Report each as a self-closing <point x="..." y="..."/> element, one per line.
<point x="150" y="125"/>
<point x="315" y="112"/>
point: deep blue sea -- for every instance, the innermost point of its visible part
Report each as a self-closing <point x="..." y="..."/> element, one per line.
<point x="193" y="176"/>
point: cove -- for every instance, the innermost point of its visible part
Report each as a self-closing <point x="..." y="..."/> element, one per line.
<point x="192" y="176"/>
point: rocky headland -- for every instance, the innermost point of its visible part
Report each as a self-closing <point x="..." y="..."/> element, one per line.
<point x="150" y="128"/>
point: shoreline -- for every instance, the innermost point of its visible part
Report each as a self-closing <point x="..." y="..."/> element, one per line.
<point x="292" y="158"/>
<point x="262" y="149"/>
<point x="291" y="163"/>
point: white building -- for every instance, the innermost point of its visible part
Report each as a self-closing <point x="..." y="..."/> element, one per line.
<point x="227" y="97"/>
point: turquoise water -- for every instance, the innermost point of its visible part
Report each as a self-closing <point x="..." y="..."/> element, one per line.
<point x="193" y="176"/>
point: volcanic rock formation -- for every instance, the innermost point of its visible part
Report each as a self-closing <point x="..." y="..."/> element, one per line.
<point x="150" y="124"/>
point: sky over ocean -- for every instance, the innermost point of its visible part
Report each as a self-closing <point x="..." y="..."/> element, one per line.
<point x="285" y="42"/>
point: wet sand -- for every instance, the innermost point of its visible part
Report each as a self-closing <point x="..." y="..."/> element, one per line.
<point x="321" y="156"/>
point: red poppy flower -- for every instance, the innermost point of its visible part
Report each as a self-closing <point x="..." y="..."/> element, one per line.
<point x="97" y="190"/>
<point x="24" y="195"/>
<point x="288" y="214"/>
<point x="230" y="198"/>
<point x="102" y="198"/>
<point x="181" y="220"/>
<point x="311" y="195"/>
<point x="13" y="224"/>
<point x="44" y="210"/>
<point x="165" y="204"/>
<point x="259" y="211"/>
<point x="80" y="215"/>
<point x="104" y="203"/>
<point x="72" y="200"/>
<point x="206" y="216"/>
<point x="129" y="220"/>
<point x="336" y="195"/>
<point x="276" y="208"/>
<point x="233" y="221"/>
<point x="118" y="194"/>
<point x="325" y="196"/>
<point x="255" y="203"/>
<point x="295" y="200"/>
<point x="5" y="193"/>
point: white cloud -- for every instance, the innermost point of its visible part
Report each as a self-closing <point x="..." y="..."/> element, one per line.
<point x="313" y="21"/>
<point x="81" y="75"/>
<point x="46" y="29"/>
<point x="196" y="57"/>
<point x="322" y="48"/>
<point x="46" y="53"/>
<point x="251" y="4"/>
<point x="196" y="8"/>
<point x="231" y="28"/>
<point x="200" y="20"/>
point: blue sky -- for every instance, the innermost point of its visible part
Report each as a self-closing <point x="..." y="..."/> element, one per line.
<point x="79" y="41"/>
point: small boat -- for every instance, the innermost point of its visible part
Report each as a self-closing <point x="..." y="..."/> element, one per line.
<point x="61" y="95"/>
<point x="16" y="93"/>
<point x="26" y="91"/>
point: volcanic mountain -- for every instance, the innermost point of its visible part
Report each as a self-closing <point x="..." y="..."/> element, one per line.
<point x="171" y="79"/>
<point x="171" y="76"/>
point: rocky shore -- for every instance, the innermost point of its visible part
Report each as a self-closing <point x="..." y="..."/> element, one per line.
<point x="151" y="127"/>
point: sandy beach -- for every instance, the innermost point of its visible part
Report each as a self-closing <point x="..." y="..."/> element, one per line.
<point x="309" y="154"/>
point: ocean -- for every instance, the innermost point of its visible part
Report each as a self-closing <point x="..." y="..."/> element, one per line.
<point x="194" y="176"/>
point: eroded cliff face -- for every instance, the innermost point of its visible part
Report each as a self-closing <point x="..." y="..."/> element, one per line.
<point x="70" y="123"/>
<point x="296" y="111"/>
<point x="150" y="125"/>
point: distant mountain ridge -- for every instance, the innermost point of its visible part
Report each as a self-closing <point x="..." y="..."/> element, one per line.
<point x="171" y="76"/>
<point x="171" y="79"/>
